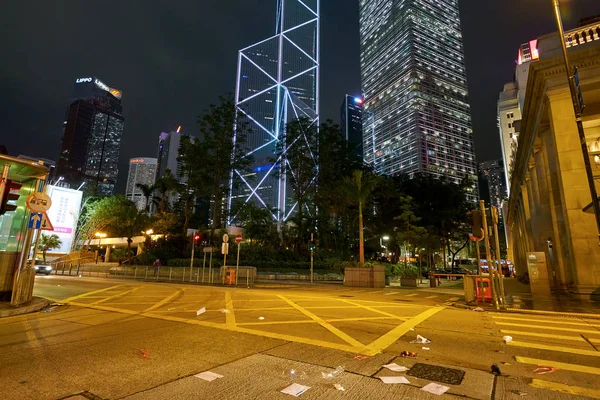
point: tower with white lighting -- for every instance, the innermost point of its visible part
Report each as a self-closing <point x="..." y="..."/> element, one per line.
<point x="277" y="81"/>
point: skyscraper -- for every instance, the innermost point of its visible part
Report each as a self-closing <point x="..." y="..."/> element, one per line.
<point x="91" y="141"/>
<point x="142" y="170"/>
<point x="168" y="152"/>
<point x="277" y="81"/>
<point x="351" y="122"/>
<point x="416" y="110"/>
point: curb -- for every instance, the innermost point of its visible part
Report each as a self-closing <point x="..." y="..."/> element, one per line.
<point x="36" y="304"/>
<point x="525" y="311"/>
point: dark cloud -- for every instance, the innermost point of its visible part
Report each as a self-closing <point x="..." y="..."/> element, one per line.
<point x="172" y="59"/>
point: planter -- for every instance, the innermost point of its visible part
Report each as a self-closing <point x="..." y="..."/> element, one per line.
<point x="412" y="282"/>
<point x="373" y="277"/>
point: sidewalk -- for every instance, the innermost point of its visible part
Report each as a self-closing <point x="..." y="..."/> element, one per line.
<point x="36" y="304"/>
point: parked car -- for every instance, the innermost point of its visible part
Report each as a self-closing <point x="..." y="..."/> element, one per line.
<point x="41" y="267"/>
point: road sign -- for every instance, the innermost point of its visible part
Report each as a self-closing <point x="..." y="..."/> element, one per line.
<point x="35" y="220"/>
<point x="38" y="202"/>
<point x="46" y="224"/>
<point x="209" y="249"/>
<point x="238" y="238"/>
<point x="225" y="238"/>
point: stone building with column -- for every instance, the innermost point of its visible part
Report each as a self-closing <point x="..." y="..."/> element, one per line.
<point x="548" y="209"/>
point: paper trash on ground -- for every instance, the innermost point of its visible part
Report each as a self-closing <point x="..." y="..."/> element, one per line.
<point x="395" y="367"/>
<point x="421" y="340"/>
<point x="339" y="387"/>
<point x="507" y="339"/>
<point x="201" y="311"/>
<point x="393" y="379"/>
<point x="261" y="318"/>
<point x="434" y="388"/>
<point x="224" y="311"/>
<point x="208" y="376"/>
<point x="295" y="389"/>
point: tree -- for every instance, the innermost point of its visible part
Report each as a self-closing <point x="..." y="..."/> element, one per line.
<point x="165" y="185"/>
<point x="128" y="222"/>
<point x="359" y="190"/>
<point x="147" y="192"/>
<point x="409" y="232"/>
<point x="216" y="155"/>
<point x="48" y="242"/>
<point x="296" y="153"/>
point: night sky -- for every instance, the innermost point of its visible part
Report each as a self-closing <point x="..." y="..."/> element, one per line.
<point x="172" y="59"/>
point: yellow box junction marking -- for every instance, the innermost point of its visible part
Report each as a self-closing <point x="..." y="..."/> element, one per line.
<point x="559" y="365"/>
<point x="539" y="346"/>
<point x="560" y="322"/>
<point x="324" y="324"/>
<point x="164" y="301"/>
<point x="230" y="316"/>
<point x="79" y="296"/>
<point x="315" y="322"/>
<point x="370" y="309"/>
<point x="559" y="387"/>
<point x="116" y="296"/>
<point x="389" y="338"/>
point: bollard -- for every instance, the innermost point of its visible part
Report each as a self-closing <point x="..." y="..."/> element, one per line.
<point x="432" y="280"/>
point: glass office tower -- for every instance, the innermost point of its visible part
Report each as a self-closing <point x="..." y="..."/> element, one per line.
<point x="91" y="141"/>
<point x="277" y="81"/>
<point x="416" y="115"/>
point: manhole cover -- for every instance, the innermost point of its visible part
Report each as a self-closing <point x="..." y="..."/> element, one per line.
<point x="438" y="374"/>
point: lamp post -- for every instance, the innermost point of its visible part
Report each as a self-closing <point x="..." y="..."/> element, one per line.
<point x="381" y="239"/>
<point x="99" y="235"/>
<point x="578" y="108"/>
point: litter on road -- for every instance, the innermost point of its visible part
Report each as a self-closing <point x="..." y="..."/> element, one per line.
<point x="57" y="304"/>
<point x="145" y="353"/>
<point x="519" y="393"/>
<point x="332" y="374"/>
<point x="408" y="354"/>
<point x="393" y="379"/>
<point x="507" y="339"/>
<point x="478" y="309"/>
<point x="201" y="311"/>
<point x="541" y="370"/>
<point x="435" y="388"/>
<point x="421" y="340"/>
<point x="395" y="367"/>
<point x="360" y="357"/>
<point x="295" y="389"/>
<point x="425" y="348"/>
<point x="339" y="387"/>
<point x="208" y="376"/>
<point x="225" y="311"/>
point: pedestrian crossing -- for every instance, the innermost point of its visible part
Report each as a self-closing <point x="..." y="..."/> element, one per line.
<point x="570" y="347"/>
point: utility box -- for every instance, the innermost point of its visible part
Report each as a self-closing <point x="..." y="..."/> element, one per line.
<point x="539" y="281"/>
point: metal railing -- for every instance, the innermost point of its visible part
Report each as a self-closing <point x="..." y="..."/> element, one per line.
<point x="196" y="275"/>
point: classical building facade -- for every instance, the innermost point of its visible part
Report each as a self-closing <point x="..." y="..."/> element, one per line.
<point x="548" y="208"/>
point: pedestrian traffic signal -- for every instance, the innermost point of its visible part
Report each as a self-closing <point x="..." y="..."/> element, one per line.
<point x="10" y="196"/>
<point x="477" y="224"/>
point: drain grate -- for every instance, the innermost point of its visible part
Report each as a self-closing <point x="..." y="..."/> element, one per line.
<point x="437" y="374"/>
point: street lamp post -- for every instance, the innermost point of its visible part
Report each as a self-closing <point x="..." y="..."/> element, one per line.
<point x="578" y="108"/>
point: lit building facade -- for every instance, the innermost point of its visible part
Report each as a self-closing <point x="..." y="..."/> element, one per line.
<point x="549" y="216"/>
<point x="168" y="152"/>
<point x="416" y="114"/>
<point x="351" y="122"/>
<point x="277" y="81"/>
<point x="91" y="141"/>
<point x="142" y="170"/>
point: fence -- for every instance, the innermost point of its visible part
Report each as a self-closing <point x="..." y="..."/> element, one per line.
<point x="200" y="275"/>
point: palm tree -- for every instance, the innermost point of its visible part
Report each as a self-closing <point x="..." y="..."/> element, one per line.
<point x="48" y="242"/>
<point x="359" y="191"/>
<point x="147" y="191"/>
<point x="164" y="185"/>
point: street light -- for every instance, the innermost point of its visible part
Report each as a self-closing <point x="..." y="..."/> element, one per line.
<point x="149" y="232"/>
<point x="578" y="108"/>
<point x="99" y="235"/>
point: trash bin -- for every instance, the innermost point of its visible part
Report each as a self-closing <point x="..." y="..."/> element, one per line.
<point x="486" y="285"/>
<point x="230" y="276"/>
<point x="432" y="282"/>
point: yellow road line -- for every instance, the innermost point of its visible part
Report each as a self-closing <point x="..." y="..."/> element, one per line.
<point x="539" y="346"/>
<point x="543" y="335"/>
<point x="561" y="322"/>
<point x="431" y="297"/>
<point x="91" y="293"/>
<point x="411" y="295"/>
<point x="324" y="324"/>
<point x="116" y="296"/>
<point x="453" y="298"/>
<point x="559" y="365"/>
<point x="371" y="309"/>
<point x="559" y="387"/>
<point x="310" y="321"/>
<point x="230" y="316"/>
<point x="558" y="314"/>
<point x="164" y="301"/>
<point x="552" y="328"/>
<point x="264" y="309"/>
<point x="386" y="340"/>
<point x="105" y="308"/>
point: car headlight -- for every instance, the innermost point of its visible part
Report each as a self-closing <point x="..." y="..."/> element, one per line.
<point x="36" y="267"/>
<point x="48" y="268"/>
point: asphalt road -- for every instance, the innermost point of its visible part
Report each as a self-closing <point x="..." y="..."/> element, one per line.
<point x="114" y="339"/>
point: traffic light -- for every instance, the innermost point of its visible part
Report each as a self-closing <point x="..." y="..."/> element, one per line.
<point x="11" y="194"/>
<point x="196" y="237"/>
<point x="477" y="224"/>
